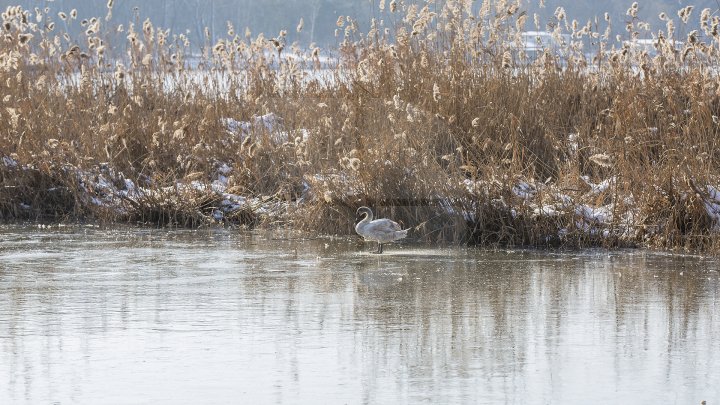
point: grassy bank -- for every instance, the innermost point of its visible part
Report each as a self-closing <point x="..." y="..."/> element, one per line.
<point x="435" y="116"/>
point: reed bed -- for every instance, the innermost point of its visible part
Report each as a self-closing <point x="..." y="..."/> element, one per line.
<point x="437" y="116"/>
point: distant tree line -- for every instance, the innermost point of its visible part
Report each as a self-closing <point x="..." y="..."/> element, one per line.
<point x="192" y="17"/>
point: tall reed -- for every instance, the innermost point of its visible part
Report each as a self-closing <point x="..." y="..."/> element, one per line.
<point x="435" y="115"/>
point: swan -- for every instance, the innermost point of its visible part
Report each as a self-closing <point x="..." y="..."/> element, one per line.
<point x="379" y="230"/>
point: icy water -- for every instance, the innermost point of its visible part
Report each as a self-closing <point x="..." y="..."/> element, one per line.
<point x="93" y="316"/>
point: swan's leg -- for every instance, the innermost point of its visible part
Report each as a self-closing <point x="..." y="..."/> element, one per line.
<point x="380" y="247"/>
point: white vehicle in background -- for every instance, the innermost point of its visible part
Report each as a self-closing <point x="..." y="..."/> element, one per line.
<point x="535" y="43"/>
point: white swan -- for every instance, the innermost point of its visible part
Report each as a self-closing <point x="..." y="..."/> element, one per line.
<point x="379" y="230"/>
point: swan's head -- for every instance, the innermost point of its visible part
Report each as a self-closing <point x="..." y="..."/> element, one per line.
<point x="363" y="212"/>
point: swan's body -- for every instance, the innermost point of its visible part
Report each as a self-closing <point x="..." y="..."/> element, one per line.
<point x="378" y="230"/>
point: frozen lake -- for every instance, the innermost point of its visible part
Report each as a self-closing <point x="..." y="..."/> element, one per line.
<point x="132" y="316"/>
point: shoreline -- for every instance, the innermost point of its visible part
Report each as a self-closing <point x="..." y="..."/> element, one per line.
<point x="105" y="197"/>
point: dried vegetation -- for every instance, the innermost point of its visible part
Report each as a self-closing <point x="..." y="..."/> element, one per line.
<point x="437" y="115"/>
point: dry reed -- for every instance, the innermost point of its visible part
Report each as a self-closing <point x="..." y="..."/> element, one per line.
<point x="436" y="119"/>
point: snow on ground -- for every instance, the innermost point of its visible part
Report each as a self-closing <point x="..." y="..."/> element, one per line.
<point x="105" y="187"/>
<point x="599" y="187"/>
<point x="9" y="162"/>
<point x="270" y="125"/>
<point x="524" y="190"/>
<point x="547" y="201"/>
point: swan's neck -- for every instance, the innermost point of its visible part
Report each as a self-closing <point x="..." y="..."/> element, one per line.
<point x="368" y="216"/>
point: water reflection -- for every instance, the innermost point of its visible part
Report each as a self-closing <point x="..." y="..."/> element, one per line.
<point x="128" y="316"/>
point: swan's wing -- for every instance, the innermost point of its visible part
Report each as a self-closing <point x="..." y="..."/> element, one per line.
<point x="385" y="225"/>
<point x="381" y="230"/>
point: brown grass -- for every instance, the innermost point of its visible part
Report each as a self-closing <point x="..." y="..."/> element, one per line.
<point x="402" y="117"/>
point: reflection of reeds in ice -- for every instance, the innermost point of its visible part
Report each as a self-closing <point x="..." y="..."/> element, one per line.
<point x="449" y="107"/>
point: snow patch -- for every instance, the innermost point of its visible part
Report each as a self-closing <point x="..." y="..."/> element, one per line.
<point x="9" y="162"/>
<point x="270" y="125"/>
<point x="524" y="190"/>
<point x="599" y="187"/>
